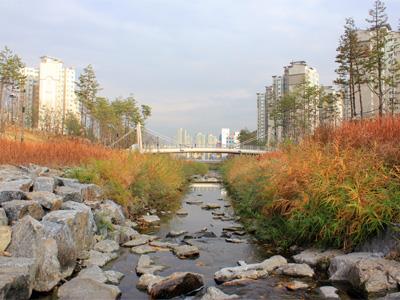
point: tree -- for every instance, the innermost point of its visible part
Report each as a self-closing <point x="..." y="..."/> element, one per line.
<point x="87" y="89"/>
<point x="379" y="64"/>
<point x="72" y="125"/>
<point x="10" y="76"/>
<point x="350" y="57"/>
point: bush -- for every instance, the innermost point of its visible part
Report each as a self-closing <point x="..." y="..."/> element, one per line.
<point x="338" y="188"/>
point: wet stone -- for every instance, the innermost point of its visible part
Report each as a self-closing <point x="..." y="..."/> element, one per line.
<point x="173" y="233"/>
<point x="296" y="270"/>
<point x="328" y="292"/>
<point x="146" y="266"/>
<point x="214" y="293"/>
<point x="106" y="246"/>
<point x="186" y="251"/>
<point x="211" y="206"/>
<point x="113" y="277"/>
<point x="143" y="249"/>
<point x="296" y="285"/>
<point x="235" y="241"/>
<point x="194" y="202"/>
<point x="99" y="259"/>
<point x="182" y="212"/>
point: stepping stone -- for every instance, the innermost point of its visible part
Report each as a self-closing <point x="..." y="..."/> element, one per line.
<point x="173" y="233"/>
<point x="186" y="251"/>
<point x="235" y="241"/>
<point x="182" y="212"/>
<point x="211" y="206"/>
<point x="113" y="277"/>
<point x="144" y="249"/>
<point x="146" y="265"/>
<point x="194" y="202"/>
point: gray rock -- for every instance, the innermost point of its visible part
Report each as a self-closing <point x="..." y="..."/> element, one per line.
<point x="392" y="296"/>
<point x="160" y="244"/>
<point x="296" y="285"/>
<point x="316" y="258"/>
<point x="250" y="271"/>
<point x="69" y="193"/>
<point x="3" y="217"/>
<point x="129" y="223"/>
<point x="71" y="205"/>
<point x="214" y="293"/>
<point x="235" y="241"/>
<point x="375" y="276"/>
<point x="211" y="206"/>
<point x="112" y="211"/>
<point x="139" y="240"/>
<point x="99" y="258"/>
<point x="147" y="280"/>
<point x="20" y="184"/>
<point x="174" y="233"/>
<point x="62" y="181"/>
<point x="176" y="284"/>
<point x="93" y="272"/>
<point x="150" y="220"/>
<point x="143" y="249"/>
<point x="9" y="194"/>
<point x="16" y="277"/>
<point x="87" y="289"/>
<point x="328" y="292"/>
<point x="341" y="266"/>
<point x="106" y="246"/>
<point x="295" y="270"/>
<point x="28" y="240"/>
<point x="44" y="184"/>
<point x="146" y="265"/>
<point x="386" y="241"/>
<point x="194" y="202"/>
<point x="79" y="223"/>
<point x="17" y="209"/>
<point x="67" y="251"/>
<point x="113" y="277"/>
<point x="186" y="251"/>
<point x="5" y="237"/>
<point x="182" y="212"/>
<point x="46" y="199"/>
<point x="124" y="233"/>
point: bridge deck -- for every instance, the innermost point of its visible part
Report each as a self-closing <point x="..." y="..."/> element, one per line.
<point x="205" y="150"/>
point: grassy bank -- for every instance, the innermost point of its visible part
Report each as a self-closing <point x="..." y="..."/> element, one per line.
<point x="338" y="188"/>
<point x="134" y="180"/>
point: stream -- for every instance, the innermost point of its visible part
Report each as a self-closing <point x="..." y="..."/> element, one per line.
<point x="215" y="252"/>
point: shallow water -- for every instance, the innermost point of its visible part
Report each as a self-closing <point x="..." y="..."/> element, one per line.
<point x="215" y="253"/>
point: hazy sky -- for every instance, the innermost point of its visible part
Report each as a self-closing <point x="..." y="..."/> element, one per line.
<point x="198" y="63"/>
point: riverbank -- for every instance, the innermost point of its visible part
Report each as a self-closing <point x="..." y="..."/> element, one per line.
<point x="339" y="188"/>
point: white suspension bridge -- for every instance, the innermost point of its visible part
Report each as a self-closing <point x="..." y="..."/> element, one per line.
<point x="150" y="141"/>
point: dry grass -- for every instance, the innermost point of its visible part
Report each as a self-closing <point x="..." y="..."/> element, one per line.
<point x="337" y="188"/>
<point x="57" y="152"/>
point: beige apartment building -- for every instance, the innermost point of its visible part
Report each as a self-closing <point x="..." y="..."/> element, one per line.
<point x="56" y="94"/>
<point x="370" y="101"/>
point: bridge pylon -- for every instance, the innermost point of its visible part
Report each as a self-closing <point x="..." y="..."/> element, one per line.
<point x="139" y="140"/>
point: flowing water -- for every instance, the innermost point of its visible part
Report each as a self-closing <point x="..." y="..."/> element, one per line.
<point x="215" y="253"/>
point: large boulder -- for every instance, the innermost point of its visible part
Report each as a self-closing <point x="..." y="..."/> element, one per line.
<point x="375" y="276"/>
<point x="47" y="200"/>
<point x="69" y="193"/>
<point x="87" y="289"/>
<point x="16" y="277"/>
<point x="80" y="224"/>
<point x="147" y="280"/>
<point x="250" y="271"/>
<point x="19" y="184"/>
<point x="44" y="184"/>
<point x="386" y="242"/>
<point x="5" y="237"/>
<point x="216" y="294"/>
<point x="176" y="284"/>
<point x="17" y="209"/>
<point x="122" y="234"/>
<point x="341" y="266"/>
<point x="111" y="211"/>
<point x="71" y="205"/>
<point x="3" y="217"/>
<point x="9" y="194"/>
<point x="67" y="250"/>
<point x="316" y="257"/>
<point x="28" y="240"/>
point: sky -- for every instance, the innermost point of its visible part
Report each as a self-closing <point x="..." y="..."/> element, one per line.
<point x="197" y="63"/>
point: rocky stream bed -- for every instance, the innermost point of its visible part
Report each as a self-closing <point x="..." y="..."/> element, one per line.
<point x="60" y="239"/>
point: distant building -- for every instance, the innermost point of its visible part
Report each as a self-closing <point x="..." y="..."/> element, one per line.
<point x="262" y="116"/>
<point x="212" y="141"/>
<point x="370" y="100"/>
<point x="332" y="108"/>
<point x="200" y="140"/>
<point x="224" y="137"/>
<point x="233" y="140"/>
<point x="270" y="129"/>
<point x="56" y="93"/>
<point x="31" y="101"/>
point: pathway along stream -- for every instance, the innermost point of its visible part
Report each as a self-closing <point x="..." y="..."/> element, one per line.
<point x="215" y="253"/>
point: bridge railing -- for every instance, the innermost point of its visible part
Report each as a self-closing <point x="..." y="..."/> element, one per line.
<point x="195" y="146"/>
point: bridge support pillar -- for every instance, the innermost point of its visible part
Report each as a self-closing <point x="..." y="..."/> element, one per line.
<point x="139" y="140"/>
